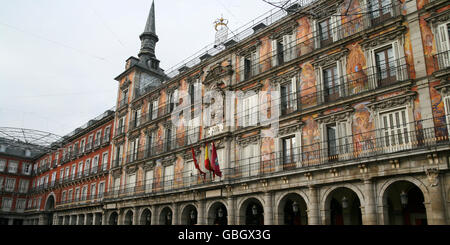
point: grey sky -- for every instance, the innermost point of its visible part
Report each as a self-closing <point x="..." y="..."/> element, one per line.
<point x="58" y="58"/>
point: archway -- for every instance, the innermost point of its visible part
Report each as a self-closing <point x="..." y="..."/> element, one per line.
<point x="218" y="214"/>
<point x="129" y="218"/>
<point x="405" y="204"/>
<point x="292" y="210"/>
<point x="113" y="217"/>
<point x="146" y="217"/>
<point x="189" y="215"/>
<point x="49" y="209"/>
<point x="252" y="212"/>
<point x="165" y="217"/>
<point x="344" y="207"/>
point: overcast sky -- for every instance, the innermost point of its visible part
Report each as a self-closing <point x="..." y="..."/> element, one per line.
<point x="59" y="58"/>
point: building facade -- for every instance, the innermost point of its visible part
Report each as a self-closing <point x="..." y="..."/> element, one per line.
<point x="326" y="112"/>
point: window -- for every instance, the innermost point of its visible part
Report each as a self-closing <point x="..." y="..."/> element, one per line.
<point x="289" y="96"/>
<point x="105" y="161"/>
<point x="249" y="65"/>
<point x="325" y="33"/>
<point x="250" y="160"/>
<point x="20" y="205"/>
<point x="93" y="191"/>
<point x="84" y="193"/>
<point x="194" y="130"/>
<point x="131" y="182"/>
<point x="1" y="183"/>
<point x="2" y="148"/>
<point x="10" y="185"/>
<point x="169" y="137"/>
<point x="46" y="181"/>
<point x="94" y="165"/>
<point x="89" y="143"/>
<point x="2" y="165"/>
<point x="443" y="43"/>
<point x="148" y="181"/>
<point x="289" y="147"/>
<point x="394" y="130"/>
<point x="67" y="172"/>
<point x="107" y="134"/>
<point x="331" y="84"/>
<point x="249" y="111"/>
<point x="133" y="150"/>
<point x="101" y="189"/>
<point x="168" y="177"/>
<point x="116" y="186"/>
<point x="74" y="171"/>
<point x="77" y="194"/>
<point x="380" y="10"/>
<point x="70" y="197"/>
<point x="447" y="112"/>
<point x="12" y="167"/>
<point x="385" y="65"/>
<point x="82" y="146"/>
<point x="87" y="166"/>
<point x="121" y="128"/>
<point x="61" y="175"/>
<point x="154" y="109"/>
<point x="6" y="204"/>
<point x="63" y="198"/>
<point x="98" y="136"/>
<point x="53" y="178"/>
<point x="80" y="169"/>
<point x="23" y="186"/>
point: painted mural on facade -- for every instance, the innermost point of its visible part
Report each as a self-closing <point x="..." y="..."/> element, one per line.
<point x="160" y="138"/>
<point x="158" y="175"/>
<point x="438" y="110"/>
<point x="352" y="21"/>
<point x="356" y="69"/>
<point x="363" y="130"/>
<point x="308" y="90"/>
<point x="429" y="45"/>
<point x="162" y="103"/>
<point x="267" y="155"/>
<point x="181" y="131"/>
<point x="179" y="167"/>
<point x="265" y="53"/>
<point x="304" y="37"/>
<point x="310" y="140"/>
<point x="409" y="54"/>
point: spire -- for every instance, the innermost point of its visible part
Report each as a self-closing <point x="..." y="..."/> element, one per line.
<point x="150" y="26"/>
<point x="149" y="37"/>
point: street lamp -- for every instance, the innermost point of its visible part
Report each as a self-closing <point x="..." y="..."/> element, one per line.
<point x="192" y="215"/>
<point x="254" y="210"/>
<point x="344" y="202"/>
<point x="295" y="207"/>
<point x="169" y="218"/>
<point x="220" y="213"/>
<point x="404" y="198"/>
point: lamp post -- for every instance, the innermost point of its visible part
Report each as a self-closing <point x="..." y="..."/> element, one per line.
<point x="254" y="210"/>
<point x="344" y="202"/>
<point x="404" y="198"/>
<point x="295" y="207"/>
<point x="169" y="218"/>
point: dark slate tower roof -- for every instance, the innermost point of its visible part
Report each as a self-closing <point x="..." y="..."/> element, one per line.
<point x="149" y="37"/>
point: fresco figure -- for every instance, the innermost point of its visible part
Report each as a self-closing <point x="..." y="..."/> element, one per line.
<point x="308" y="90"/>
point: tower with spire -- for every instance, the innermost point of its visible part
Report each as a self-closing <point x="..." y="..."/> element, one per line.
<point x="143" y="72"/>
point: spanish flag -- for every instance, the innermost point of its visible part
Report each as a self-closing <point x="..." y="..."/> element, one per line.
<point x="207" y="162"/>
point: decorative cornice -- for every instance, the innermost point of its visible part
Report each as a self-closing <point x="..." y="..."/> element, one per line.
<point x="404" y="99"/>
<point x="287" y="29"/>
<point x="249" y="49"/>
<point x="337" y="116"/>
<point x="330" y="58"/>
<point x="293" y="128"/>
<point x="443" y="88"/>
<point x="438" y="18"/>
<point x="217" y="72"/>
<point x="125" y="84"/>
<point x="243" y="142"/>
<point x="131" y="169"/>
<point x="284" y="77"/>
<point x="395" y="33"/>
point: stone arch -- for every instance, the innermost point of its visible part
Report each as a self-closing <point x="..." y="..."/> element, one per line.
<point x="326" y="198"/>
<point x="128" y="217"/>
<point x="212" y="216"/>
<point x="49" y="208"/>
<point x="143" y="216"/>
<point x="113" y="218"/>
<point x="282" y="200"/>
<point x="164" y="214"/>
<point x="244" y="206"/>
<point x="185" y="218"/>
<point x="385" y="188"/>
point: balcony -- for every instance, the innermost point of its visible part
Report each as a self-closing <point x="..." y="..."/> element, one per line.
<point x="442" y="64"/>
<point x="120" y="131"/>
<point x="97" y="143"/>
<point x="122" y="104"/>
<point x="88" y="147"/>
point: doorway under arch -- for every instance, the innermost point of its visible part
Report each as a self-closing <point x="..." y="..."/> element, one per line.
<point x="218" y="214"/>
<point x="129" y="218"/>
<point x="189" y="215"/>
<point x="113" y="218"/>
<point x="404" y="202"/>
<point x="344" y="207"/>
<point x="252" y="212"/>
<point x="146" y="217"/>
<point x="292" y="210"/>
<point x="165" y="217"/>
<point x="50" y="209"/>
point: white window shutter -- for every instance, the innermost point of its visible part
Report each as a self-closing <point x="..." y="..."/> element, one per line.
<point x="285" y="48"/>
<point x="334" y="25"/>
<point x="242" y="68"/>
<point x="293" y="96"/>
<point x="447" y="112"/>
<point x="274" y="53"/>
<point x="254" y="110"/>
<point x="443" y="38"/>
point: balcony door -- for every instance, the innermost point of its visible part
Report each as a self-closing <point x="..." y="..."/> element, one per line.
<point x="385" y="66"/>
<point x="331" y="84"/>
<point x="380" y="10"/>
